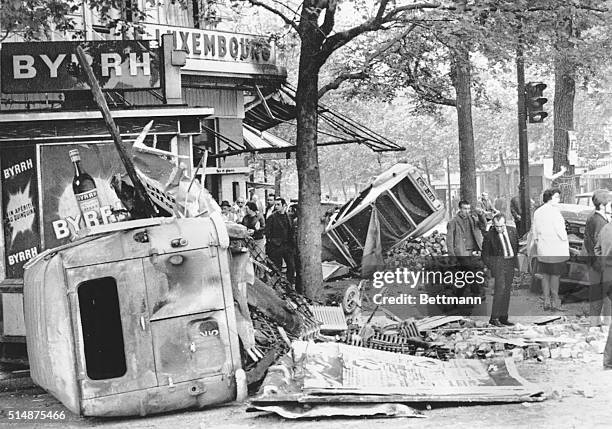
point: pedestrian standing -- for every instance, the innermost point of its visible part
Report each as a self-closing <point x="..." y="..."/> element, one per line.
<point x="552" y="246"/>
<point x="292" y="211"/>
<point x="594" y="224"/>
<point x="255" y="224"/>
<point x="270" y="205"/>
<point x="517" y="214"/>
<point x="239" y="209"/>
<point x="499" y="253"/>
<point x="464" y="231"/>
<point x="279" y="235"/>
<point x="255" y="199"/>
<point x="603" y="249"/>
<point x="226" y="211"/>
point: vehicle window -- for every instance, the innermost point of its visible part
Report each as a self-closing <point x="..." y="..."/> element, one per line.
<point x="584" y="201"/>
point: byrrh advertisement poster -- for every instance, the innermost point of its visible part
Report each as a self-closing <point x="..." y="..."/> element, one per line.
<point x="20" y="207"/>
<point x="66" y="209"/>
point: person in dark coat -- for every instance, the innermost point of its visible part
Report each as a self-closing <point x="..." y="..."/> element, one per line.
<point x="464" y="231"/>
<point x="595" y="222"/>
<point x="499" y="253"/>
<point x="255" y="223"/>
<point x="279" y="238"/>
<point x="517" y="213"/>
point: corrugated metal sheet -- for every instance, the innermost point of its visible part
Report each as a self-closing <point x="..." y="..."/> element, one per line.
<point x="226" y="102"/>
<point x="141" y="98"/>
<point x="332" y="318"/>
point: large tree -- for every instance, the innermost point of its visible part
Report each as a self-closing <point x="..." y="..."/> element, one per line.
<point x="320" y="36"/>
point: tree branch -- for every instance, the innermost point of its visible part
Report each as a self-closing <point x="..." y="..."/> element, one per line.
<point x="342" y="77"/>
<point x="426" y="92"/>
<point x="390" y="43"/>
<point x="342" y="38"/>
<point x="276" y="12"/>
<point x="330" y="14"/>
<point x="6" y="34"/>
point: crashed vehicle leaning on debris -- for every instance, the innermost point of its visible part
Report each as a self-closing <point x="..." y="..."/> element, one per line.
<point x="398" y="205"/>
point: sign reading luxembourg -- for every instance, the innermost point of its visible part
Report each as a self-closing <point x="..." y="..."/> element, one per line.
<point x="54" y="67"/>
<point x="218" y="52"/>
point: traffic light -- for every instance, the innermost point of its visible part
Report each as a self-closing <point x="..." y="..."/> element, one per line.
<point x="534" y="102"/>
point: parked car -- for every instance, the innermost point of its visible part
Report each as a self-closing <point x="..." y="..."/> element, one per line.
<point x="575" y="215"/>
<point x="585" y="199"/>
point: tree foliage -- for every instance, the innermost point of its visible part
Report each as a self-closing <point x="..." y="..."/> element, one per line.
<point x="35" y="19"/>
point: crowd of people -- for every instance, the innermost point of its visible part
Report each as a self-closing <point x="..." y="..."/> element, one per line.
<point x="483" y="232"/>
<point x="273" y="228"/>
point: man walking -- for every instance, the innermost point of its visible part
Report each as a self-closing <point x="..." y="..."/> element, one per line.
<point x="279" y="238"/>
<point x="464" y="231"/>
<point x="499" y="253"/>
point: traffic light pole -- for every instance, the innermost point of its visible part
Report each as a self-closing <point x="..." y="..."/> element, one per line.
<point x="523" y="143"/>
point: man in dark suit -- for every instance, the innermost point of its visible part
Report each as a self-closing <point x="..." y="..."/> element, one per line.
<point x="279" y="239"/>
<point x="499" y="253"/>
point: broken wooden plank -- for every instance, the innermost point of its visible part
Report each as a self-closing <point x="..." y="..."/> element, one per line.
<point x="433" y="322"/>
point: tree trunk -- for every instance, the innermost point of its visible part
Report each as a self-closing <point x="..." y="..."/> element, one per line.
<point x="565" y="90"/>
<point x="344" y="191"/>
<point x="467" y="161"/>
<point x="310" y="276"/>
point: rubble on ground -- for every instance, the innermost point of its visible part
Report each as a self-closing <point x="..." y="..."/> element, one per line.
<point x="335" y="375"/>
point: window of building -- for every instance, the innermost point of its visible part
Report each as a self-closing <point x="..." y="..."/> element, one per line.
<point x="235" y="190"/>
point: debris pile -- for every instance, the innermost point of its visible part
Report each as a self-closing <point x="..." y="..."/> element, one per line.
<point x="557" y="341"/>
<point x="415" y="253"/>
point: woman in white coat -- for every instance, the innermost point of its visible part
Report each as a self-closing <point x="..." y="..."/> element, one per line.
<point x="552" y="246"/>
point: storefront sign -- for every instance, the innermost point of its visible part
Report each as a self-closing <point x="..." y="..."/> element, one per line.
<point x="229" y="170"/>
<point x="19" y="208"/>
<point x="54" y="67"/>
<point x="70" y="201"/>
<point x="210" y="51"/>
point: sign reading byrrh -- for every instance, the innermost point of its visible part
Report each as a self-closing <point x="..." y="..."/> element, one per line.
<point x="211" y="52"/>
<point x="54" y="67"/>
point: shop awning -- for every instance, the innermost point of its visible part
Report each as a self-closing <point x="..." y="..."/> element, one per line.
<point x="263" y="141"/>
<point x="67" y="125"/>
<point x="278" y="107"/>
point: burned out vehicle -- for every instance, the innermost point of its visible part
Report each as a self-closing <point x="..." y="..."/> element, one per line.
<point x="137" y="320"/>
<point x="398" y="205"/>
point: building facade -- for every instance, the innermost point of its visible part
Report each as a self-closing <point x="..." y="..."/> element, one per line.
<point x="191" y="84"/>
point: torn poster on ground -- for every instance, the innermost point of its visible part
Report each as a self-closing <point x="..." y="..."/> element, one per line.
<point x="334" y="372"/>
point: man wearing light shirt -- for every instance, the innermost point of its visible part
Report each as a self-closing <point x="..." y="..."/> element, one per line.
<point x="499" y="253"/>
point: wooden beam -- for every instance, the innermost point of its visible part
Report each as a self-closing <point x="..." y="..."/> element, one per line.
<point x="142" y="203"/>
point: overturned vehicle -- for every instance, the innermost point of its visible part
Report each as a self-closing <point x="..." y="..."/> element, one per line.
<point x="398" y="205"/>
